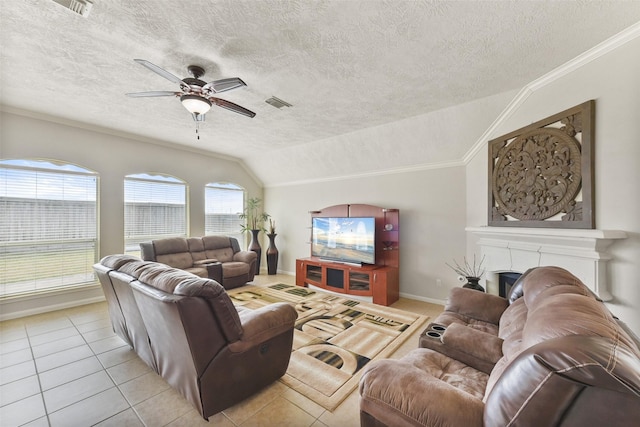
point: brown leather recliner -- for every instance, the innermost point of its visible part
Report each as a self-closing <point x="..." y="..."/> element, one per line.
<point x="107" y="265"/>
<point x="187" y="329"/>
<point x="216" y="257"/>
<point x="557" y="357"/>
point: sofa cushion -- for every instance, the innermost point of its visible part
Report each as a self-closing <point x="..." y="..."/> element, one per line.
<point x="424" y="388"/>
<point x="178" y="260"/>
<point x="216" y="242"/>
<point x="517" y="290"/>
<point x="117" y="261"/>
<point x="198" y="271"/>
<point x="234" y="269"/>
<point x="165" y="279"/>
<point x="543" y="278"/>
<point x="196" y="247"/>
<point x="553" y="316"/>
<point x="570" y="314"/>
<point x="136" y="268"/>
<point x="223" y="255"/>
<point x="511" y="326"/>
<point x="173" y="251"/>
<point x="572" y="380"/>
<point x="447" y="318"/>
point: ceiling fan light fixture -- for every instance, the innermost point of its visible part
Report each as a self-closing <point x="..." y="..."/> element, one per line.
<point x="195" y="104"/>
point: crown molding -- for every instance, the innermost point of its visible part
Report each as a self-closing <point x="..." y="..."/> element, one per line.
<point x="112" y="132"/>
<point x="579" y="61"/>
<point x="407" y="169"/>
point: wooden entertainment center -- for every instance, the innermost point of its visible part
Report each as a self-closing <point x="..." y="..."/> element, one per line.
<point x="379" y="280"/>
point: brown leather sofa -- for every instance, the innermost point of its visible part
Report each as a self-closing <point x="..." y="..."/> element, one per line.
<point x="216" y="257"/>
<point x="550" y="355"/>
<point x="187" y="330"/>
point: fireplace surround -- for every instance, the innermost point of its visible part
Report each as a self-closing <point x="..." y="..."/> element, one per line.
<point x="583" y="252"/>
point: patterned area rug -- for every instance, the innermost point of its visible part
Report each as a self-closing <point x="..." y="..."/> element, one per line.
<point x="334" y="337"/>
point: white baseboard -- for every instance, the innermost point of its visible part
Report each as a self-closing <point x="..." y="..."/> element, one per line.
<point x="424" y="299"/>
<point x="29" y="305"/>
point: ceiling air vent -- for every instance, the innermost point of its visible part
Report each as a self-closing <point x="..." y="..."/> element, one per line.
<point x="277" y="102"/>
<point x="81" y="7"/>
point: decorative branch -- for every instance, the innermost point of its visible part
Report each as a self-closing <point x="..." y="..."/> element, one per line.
<point x="468" y="270"/>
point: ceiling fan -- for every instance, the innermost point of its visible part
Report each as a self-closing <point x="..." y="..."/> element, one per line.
<point x="196" y="95"/>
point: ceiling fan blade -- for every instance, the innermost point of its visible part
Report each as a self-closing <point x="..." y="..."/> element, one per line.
<point x="231" y="106"/>
<point x="164" y="73"/>
<point x="152" y="93"/>
<point x="223" y="85"/>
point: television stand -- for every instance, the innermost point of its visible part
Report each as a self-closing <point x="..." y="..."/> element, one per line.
<point x="353" y="264"/>
<point x="378" y="281"/>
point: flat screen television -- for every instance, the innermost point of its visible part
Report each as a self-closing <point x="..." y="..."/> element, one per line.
<point x="350" y="240"/>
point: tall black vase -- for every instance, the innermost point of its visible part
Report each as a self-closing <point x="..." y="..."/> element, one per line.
<point x="272" y="254"/>
<point x="255" y="247"/>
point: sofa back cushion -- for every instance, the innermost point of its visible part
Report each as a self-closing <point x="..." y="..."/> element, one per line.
<point x="511" y="325"/>
<point x="517" y="289"/>
<point x="174" y="281"/>
<point x="220" y="303"/>
<point x="570" y="380"/>
<point x="542" y="279"/>
<point x="196" y="247"/>
<point x="215" y="242"/>
<point x="103" y="270"/>
<point x="116" y="261"/>
<point x="218" y="247"/>
<point x="173" y="251"/>
<point x="190" y="321"/>
<point x="555" y="315"/>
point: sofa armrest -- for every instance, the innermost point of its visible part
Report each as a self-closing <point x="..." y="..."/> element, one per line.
<point x="263" y="324"/>
<point x="474" y="343"/>
<point x="402" y="393"/>
<point x="245" y="256"/>
<point x="147" y="252"/>
<point x="478" y="305"/>
<point x="214" y="271"/>
<point x="475" y="348"/>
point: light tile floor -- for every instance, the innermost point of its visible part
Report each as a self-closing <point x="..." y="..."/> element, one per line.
<point x="68" y="368"/>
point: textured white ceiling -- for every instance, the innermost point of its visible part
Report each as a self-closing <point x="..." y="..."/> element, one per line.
<point x="346" y="66"/>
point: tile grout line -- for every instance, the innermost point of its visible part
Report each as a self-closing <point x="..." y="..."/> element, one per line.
<point x="35" y="367"/>
<point x="106" y="371"/>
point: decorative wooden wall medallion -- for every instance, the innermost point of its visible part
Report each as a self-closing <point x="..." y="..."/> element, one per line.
<point x="542" y="175"/>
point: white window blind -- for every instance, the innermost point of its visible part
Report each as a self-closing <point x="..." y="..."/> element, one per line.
<point x="155" y="207"/>
<point x="223" y="204"/>
<point x="48" y="226"/>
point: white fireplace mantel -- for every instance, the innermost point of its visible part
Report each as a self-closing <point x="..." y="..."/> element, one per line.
<point x="582" y="252"/>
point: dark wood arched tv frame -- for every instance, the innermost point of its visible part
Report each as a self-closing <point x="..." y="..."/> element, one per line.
<point x="380" y="280"/>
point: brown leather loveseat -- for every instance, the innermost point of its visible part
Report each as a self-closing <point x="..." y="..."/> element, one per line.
<point x="188" y="331"/>
<point x="216" y="257"/>
<point x="550" y="355"/>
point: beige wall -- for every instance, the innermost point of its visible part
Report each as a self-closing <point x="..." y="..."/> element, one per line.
<point x="435" y="203"/>
<point x="113" y="157"/>
<point x="432" y="221"/>
<point x="612" y="80"/>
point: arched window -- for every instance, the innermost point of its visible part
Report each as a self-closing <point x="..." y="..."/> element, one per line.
<point x="48" y="226"/>
<point x="223" y="203"/>
<point x="155" y="207"/>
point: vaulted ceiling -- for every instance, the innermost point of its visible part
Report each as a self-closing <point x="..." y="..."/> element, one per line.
<point x="348" y="67"/>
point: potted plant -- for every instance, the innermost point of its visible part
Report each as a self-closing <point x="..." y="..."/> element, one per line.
<point x="254" y="215"/>
<point x="254" y="218"/>
<point x="471" y="273"/>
